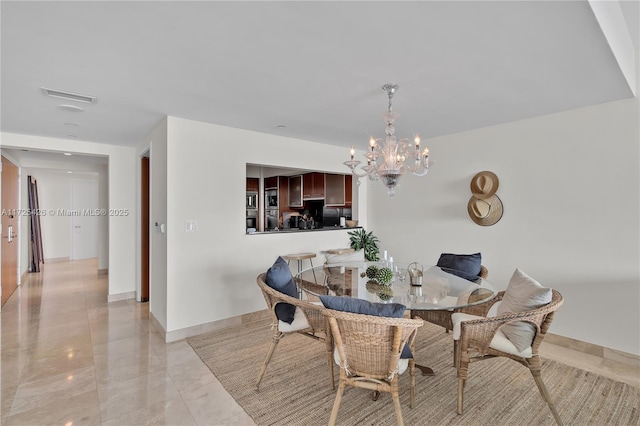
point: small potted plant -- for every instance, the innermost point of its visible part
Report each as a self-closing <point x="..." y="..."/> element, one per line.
<point x="360" y="239"/>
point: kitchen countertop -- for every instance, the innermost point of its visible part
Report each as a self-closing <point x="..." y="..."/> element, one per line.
<point x="296" y="230"/>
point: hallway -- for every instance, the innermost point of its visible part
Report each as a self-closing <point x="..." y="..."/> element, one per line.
<point x="70" y="358"/>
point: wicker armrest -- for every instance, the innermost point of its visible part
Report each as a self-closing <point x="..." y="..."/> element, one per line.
<point x="482" y="330"/>
<point x="481" y="309"/>
<point x="312" y="311"/>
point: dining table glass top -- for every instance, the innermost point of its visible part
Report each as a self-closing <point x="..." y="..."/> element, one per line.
<point x="440" y="289"/>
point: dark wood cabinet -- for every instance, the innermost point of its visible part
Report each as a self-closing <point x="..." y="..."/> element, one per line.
<point x="271" y="182"/>
<point x="348" y="190"/>
<point x="253" y="184"/>
<point x="283" y="193"/>
<point x="295" y="191"/>
<point x="335" y="190"/>
<point x="313" y="186"/>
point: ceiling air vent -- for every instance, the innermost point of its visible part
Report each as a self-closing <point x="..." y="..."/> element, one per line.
<point x="69" y="96"/>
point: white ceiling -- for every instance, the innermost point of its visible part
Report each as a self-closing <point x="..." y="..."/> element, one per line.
<point x="315" y="67"/>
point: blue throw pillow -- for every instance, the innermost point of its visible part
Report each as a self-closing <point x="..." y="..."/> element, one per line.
<point x="280" y="279"/>
<point x="466" y="266"/>
<point x="360" y="306"/>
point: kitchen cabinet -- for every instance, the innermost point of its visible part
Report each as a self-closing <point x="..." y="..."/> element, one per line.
<point x="283" y="192"/>
<point x="334" y="190"/>
<point x="348" y="190"/>
<point x="271" y="182"/>
<point x="253" y="184"/>
<point x="313" y="186"/>
<point x="295" y="191"/>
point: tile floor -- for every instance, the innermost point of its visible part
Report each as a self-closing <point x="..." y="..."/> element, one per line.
<point x="70" y="358"/>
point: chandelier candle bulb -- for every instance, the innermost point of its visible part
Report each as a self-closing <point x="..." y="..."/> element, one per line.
<point x="353" y="151"/>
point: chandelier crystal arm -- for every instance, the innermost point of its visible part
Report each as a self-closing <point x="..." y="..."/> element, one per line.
<point x="389" y="158"/>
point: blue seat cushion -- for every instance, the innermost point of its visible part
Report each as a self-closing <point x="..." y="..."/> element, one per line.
<point x="280" y="279"/>
<point x="466" y="266"/>
<point x="360" y="306"/>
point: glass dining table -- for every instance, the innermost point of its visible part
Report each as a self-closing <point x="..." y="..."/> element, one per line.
<point x="440" y="289"/>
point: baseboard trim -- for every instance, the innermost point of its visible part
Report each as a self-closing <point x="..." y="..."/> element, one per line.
<point x="593" y="349"/>
<point x="158" y="327"/>
<point x="57" y="259"/>
<point x="121" y="296"/>
<point x="187" y="332"/>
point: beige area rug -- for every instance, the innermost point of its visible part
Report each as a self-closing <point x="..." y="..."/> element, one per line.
<point x="295" y="389"/>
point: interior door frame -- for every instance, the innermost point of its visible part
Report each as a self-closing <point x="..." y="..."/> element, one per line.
<point x="145" y="223"/>
<point x="10" y="265"/>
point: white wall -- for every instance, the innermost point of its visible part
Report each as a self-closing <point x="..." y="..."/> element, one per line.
<point x="122" y="195"/>
<point x="570" y="187"/>
<point x="211" y="273"/>
<point x="54" y="192"/>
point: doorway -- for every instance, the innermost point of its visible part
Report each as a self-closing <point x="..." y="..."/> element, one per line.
<point x="10" y="232"/>
<point x="84" y="219"/>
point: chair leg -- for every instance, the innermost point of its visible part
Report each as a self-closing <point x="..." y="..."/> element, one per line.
<point x="545" y="395"/>
<point x="455" y="353"/>
<point x="329" y="346"/>
<point x="412" y="382"/>
<point x="336" y="403"/>
<point x="272" y="348"/>
<point x="396" y="401"/>
<point x="463" y="370"/>
<point x="460" y="394"/>
<point x="331" y="379"/>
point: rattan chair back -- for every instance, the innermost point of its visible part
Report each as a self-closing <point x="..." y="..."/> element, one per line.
<point x="369" y="348"/>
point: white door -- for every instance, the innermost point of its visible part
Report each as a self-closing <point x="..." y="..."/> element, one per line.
<point x="84" y="220"/>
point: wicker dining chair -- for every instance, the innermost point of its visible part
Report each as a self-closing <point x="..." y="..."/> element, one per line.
<point x="479" y="336"/>
<point x="308" y="321"/>
<point x="368" y="351"/>
<point x="443" y="317"/>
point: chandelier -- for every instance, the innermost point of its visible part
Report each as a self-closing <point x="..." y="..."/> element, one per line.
<point x="389" y="158"/>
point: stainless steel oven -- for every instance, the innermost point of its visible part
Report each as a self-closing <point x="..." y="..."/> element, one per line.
<point x="252" y="200"/>
<point x="252" y="218"/>
<point x="272" y="218"/>
<point x="271" y="198"/>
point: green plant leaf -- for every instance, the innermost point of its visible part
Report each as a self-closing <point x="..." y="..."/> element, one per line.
<point x="360" y="239"/>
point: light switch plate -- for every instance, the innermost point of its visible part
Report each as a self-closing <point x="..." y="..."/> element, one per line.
<point x="190" y="225"/>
